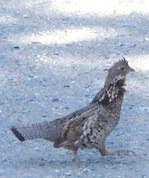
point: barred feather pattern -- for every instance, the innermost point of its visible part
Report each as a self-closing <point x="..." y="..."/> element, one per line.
<point x="89" y="126"/>
<point x="94" y="125"/>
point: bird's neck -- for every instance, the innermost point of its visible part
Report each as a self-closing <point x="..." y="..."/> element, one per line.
<point x="110" y="97"/>
<point x="114" y="101"/>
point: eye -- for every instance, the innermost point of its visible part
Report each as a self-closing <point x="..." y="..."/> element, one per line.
<point x="122" y="68"/>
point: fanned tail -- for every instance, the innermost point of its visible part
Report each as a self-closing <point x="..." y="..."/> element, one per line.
<point x="45" y="130"/>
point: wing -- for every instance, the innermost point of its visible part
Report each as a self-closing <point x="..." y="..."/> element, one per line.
<point x="73" y="127"/>
<point x="94" y="130"/>
<point x="101" y="96"/>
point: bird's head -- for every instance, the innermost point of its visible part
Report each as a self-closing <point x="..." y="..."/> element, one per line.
<point x="117" y="73"/>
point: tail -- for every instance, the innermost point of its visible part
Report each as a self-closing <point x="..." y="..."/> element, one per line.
<point x="45" y="130"/>
<point x="17" y="134"/>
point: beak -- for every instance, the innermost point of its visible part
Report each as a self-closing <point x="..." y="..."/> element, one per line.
<point x="131" y="69"/>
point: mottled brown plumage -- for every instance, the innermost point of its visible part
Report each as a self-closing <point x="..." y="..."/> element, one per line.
<point x="87" y="127"/>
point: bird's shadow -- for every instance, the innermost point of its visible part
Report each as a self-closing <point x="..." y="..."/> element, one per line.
<point x="127" y="157"/>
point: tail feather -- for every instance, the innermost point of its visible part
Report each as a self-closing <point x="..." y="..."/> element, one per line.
<point x="17" y="134"/>
<point x="40" y="130"/>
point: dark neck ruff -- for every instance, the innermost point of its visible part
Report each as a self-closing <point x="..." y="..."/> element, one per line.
<point x="110" y="94"/>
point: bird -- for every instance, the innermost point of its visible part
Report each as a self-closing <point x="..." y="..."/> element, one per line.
<point x="89" y="126"/>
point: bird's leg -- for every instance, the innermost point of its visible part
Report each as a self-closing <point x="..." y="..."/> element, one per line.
<point x="103" y="150"/>
<point x="76" y="158"/>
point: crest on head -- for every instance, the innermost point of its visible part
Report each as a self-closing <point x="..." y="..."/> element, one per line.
<point x="114" y="83"/>
<point x="118" y="72"/>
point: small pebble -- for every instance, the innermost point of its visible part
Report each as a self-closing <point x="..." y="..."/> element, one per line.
<point x="106" y="69"/>
<point x="66" y="86"/>
<point x="4" y="160"/>
<point x="10" y="77"/>
<point x="144" y="108"/>
<point x="56" y="54"/>
<point x="146" y="39"/>
<point x="36" y="148"/>
<point x="132" y="46"/>
<point x="55" y="100"/>
<point x="41" y="164"/>
<point x="16" y="47"/>
<point x="85" y="170"/>
<point x="68" y="173"/>
<point x="44" y="116"/>
<point x="121" y="45"/>
<point x="57" y="171"/>
<point x="25" y="16"/>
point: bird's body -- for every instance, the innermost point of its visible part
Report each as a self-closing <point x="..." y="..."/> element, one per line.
<point x="89" y="126"/>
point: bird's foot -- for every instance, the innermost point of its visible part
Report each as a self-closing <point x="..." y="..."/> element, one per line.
<point x="119" y="152"/>
<point x="76" y="160"/>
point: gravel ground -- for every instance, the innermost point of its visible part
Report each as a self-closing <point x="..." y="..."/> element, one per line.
<point x="53" y="59"/>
